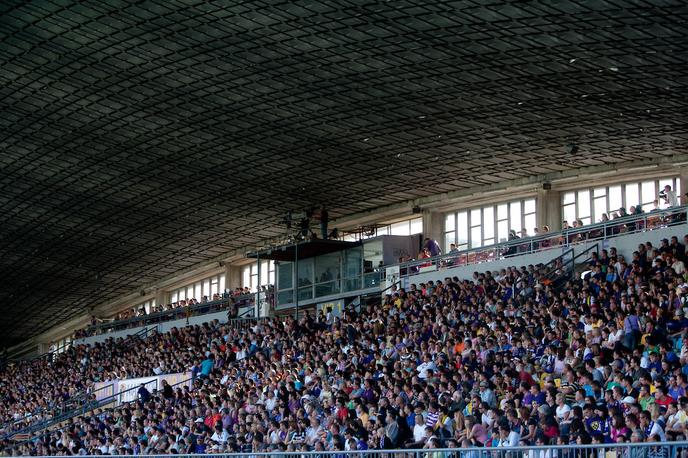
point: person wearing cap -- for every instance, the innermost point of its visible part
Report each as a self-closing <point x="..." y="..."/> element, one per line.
<point x="487" y="395"/>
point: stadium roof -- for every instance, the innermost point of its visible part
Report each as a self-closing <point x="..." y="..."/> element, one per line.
<point x="141" y="138"/>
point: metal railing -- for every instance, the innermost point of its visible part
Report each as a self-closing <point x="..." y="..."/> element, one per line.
<point x="246" y="322"/>
<point x="38" y="417"/>
<point x="90" y="405"/>
<point x="549" y="241"/>
<point x="616" y="450"/>
<point x="243" y="301"/>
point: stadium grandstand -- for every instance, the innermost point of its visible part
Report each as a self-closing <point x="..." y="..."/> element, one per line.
<point x="327" y="228"/>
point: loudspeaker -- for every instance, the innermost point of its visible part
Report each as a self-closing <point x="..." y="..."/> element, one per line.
<point x="547" y="186"/>
<point x="417" y="209"/>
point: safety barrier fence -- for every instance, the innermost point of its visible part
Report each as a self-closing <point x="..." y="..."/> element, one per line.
<point x="113" y="398"/>
<point x="243" y="304"/>
<point x="549" y="241"/>
<point x="616" y="450"/>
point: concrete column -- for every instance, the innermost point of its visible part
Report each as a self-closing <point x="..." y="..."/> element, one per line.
<point x="161" y="297"/>
<point x="232" y="276"/>
<point x="683" y="183"/>
<point x="549" y="209"/>
<point x="433" y="226"/>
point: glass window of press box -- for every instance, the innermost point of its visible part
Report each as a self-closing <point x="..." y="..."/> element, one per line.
<point x="320" y="276"/>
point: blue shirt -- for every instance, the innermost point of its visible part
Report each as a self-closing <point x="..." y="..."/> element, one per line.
<point x="207" y="366"/>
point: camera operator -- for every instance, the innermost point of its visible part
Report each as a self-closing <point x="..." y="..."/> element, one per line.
<point x="668" y="196"/>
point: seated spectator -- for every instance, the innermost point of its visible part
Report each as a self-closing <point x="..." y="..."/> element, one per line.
<point x="492" y="361"/>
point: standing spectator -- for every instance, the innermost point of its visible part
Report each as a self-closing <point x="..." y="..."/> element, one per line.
<point x="669" y="197"/>
<point x="324" y="221"/>
<point x="432" y="246"/>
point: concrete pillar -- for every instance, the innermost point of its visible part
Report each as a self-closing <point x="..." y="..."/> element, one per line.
<point x="549" y="209"/>
<point x="232" y="277"/>
<point x="433" y="226"/>
<point x="683" y="185"/>
<point x="161" y="297"/>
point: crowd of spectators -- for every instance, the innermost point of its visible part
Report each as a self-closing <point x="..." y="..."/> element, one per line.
<point x="137" y="316"/>
<point x="504" y="359"/>
<point x="571" y="233"/>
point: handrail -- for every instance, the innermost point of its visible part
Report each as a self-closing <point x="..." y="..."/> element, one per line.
<point x="175" y="313"/>
<point x="552" y="264"/>
<point x="396" y="282"/>
<point x="61" y="407"/>
<point x="627" y="449"/>
<point x="619" y="226"/>
<point x="82" y="410"/>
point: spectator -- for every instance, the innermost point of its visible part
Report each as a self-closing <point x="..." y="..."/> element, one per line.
<point x="490" y="361"/>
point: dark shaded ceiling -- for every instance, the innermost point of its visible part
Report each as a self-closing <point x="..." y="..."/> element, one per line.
<point x="141" y="138"/>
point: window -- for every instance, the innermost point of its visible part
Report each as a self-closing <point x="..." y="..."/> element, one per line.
<point x="406" y="227"/>
<point x="197" y="290"/>
<point x="249" y="274"/>
<point x="590" y="204"/>
<point x="485" y="226"/>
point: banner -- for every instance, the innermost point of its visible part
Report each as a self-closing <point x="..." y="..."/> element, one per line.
<point x="392" y="275"/>
<point x="335" y="307"/>
<point x="104" y="390"/>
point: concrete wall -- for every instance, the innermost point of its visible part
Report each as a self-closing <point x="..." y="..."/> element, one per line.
<point x="625" y="246"/>
<point x="161" y="327"/>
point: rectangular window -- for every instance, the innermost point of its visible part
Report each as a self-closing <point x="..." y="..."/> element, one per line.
<point x="610" y="199"/>
<point x="449" y="238"/>
<point x="647" y="193"/>
<point x="584" y="205"/>
<point x="476" y="228"/>
<point x="450" y="222"/>
<point x="417" y="226"/>
<point x="632" y="196"/>
<point x="599" y="207"/>
<point x="515" y="216"/>
<point x="488" y="224"/>
<point x="615" y="198"/>
<point x="484" y="226"/>
<point x="476" y="237"/>
<point x="462" y="230"/>
<point x="530" y="223"/>
<point x="569" y="213"/>
<point x="503" y="230"/>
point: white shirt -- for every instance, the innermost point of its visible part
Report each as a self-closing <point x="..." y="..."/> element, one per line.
<point x="418" y="433"/>
<point x="657" y="429"/>
<point x="562" y="411"/>
<point x="671" y="199"/>
<point x="679" y="267"/>
<point x="221" y="437"/>
<point x="422" y="369"/>
<point x="270" y="404"/>
<point x="511" y="440"/>
<point x="615" y="337"/>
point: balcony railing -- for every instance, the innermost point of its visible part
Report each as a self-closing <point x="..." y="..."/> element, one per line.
<point x="549" y="241"/>
<point x="226" y="303"/>
<point x="616" y="450"/>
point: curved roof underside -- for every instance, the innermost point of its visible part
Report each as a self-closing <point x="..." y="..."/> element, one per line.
<point x="140" y="139"/>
